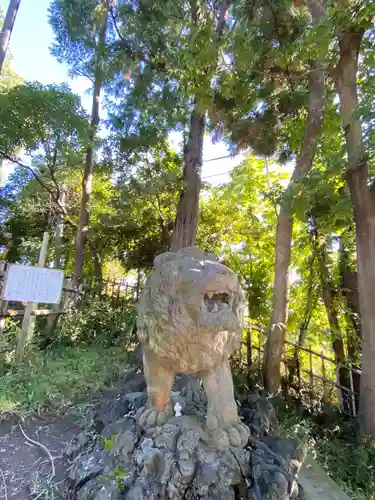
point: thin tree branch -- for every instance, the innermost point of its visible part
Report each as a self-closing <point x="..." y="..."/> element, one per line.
<point x="31" y="170"/>
<point x="159" y="208"/>
<point x="81" y="72"/>
<point x="246" y="279"/>
<point x="114" y="19"/>
<point x="274" y="204"/>
<point x="52" y="169"/>
<point x="37" y="177"/>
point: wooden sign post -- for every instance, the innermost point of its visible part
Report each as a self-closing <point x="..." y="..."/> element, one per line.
<point x="32" y="284"/>
<point x="28" y="322"/>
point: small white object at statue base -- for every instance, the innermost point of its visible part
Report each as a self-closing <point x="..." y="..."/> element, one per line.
<point x="147" y="445"/>
<point x="177" y="409"/>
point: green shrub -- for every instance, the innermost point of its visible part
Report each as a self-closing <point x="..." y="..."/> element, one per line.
<point x="97" y="321"/>
<point x="8" y="343"/>
<point x="87" y="350"/>
<point x="350" y="464"/>
<point x="60" y="377"/>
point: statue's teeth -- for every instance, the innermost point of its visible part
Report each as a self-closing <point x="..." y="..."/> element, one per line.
<point x="210" y="295"/>
<point x="215" y="308"/>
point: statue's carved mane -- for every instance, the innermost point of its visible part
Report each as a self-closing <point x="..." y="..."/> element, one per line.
<point x="164" y="323"/>
<point x="189" y="319"/>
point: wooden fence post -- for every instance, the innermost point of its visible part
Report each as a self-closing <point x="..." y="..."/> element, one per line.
<point x="28" y="321"/>
<point x="325" y="387"/>
<point x="249" y="353"/>
<point x="56" y="308"/>
<point x="3" y="303"/>
<point x="311" y="373"/>
<point x="352" y="395"/>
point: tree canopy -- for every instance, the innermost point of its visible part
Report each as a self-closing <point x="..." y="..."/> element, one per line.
<point x="289" y="83"/>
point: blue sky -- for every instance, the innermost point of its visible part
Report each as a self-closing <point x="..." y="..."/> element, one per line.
<point x="29" y="45"/>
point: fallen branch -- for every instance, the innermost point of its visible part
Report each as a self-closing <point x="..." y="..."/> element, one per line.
<point x="46" y="450"/>
<point x="5" y="485"/>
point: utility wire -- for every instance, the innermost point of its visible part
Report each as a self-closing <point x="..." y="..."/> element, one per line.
<point x="221" y="173"/>
<point x="219" y="158"/>
<point x="216" y="175"/>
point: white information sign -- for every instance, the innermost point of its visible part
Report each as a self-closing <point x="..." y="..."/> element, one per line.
<point x="33" y="284"/>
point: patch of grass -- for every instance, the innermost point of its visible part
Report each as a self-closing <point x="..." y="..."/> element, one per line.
<point x="97" y="321"/>
<point x="40" y="488"/>
<point x="350" y="463"/>
<point x="58" y="378"/>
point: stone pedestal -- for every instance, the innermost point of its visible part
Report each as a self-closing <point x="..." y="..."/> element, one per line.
<point x="178" y="461"/>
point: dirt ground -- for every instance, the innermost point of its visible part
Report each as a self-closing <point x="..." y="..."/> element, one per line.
<point x="25" y="468"/>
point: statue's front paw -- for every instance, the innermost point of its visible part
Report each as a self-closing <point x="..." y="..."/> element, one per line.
<point x="236" y="435"/>
<point x="152" y="417"/>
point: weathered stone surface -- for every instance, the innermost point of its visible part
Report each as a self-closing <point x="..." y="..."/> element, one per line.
<point x="259" y="414"/>
<point x="178" y="461"/>
<point x="74" y="448"/>
<point x="90" y="466"/>
<point x="108" y="412"/>
<point x="190" y="317"/>
<point x="290" y="449"/>
<point x="135" y="398"/>
<point x="104" y="489"/>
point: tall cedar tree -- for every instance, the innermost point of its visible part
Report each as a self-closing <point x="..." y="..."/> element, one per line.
<point x="80" y="29"/>
<point x="186" y="224"/>
<point x="313" y="125"/>
<point x="7" y="29"/>
<point x="362" y="195"/>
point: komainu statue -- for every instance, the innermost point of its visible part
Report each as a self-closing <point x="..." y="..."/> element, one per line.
<point x="189" y="319"/>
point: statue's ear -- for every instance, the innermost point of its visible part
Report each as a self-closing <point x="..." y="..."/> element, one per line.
<point x="191" y="253"/>
<point x="163" y="258"/>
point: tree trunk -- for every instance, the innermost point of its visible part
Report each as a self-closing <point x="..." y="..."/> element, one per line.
<point x="329" y="295"/>
<point x="84" y="214"/>
<point x="363" y="202"/>
<point x="349" y="289"/>
<point x="276" y="332"/>
<point x="186" y="224"/>
<point x="59" y="231"/>
<point x="53" y="318"/>
<point x="310" y="301"/>
<point x="7" y="28"/>
<point x="97" y="267"/>
<point x="138" y="289"/>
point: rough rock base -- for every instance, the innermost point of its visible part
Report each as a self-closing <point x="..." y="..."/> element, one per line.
<point x="177" y="460"/>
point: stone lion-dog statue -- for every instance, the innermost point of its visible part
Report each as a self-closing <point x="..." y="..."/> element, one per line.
<point x="190" y="316"/>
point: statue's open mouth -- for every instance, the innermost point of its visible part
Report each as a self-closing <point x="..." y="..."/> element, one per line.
<point x="217" y="301"/>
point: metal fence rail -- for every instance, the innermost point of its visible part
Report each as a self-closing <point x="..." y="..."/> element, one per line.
<point x="306" y="373"/>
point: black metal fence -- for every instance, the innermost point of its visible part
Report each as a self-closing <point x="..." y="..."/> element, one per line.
<point x="310" y="376"/>
<point x="118" y="290"/>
